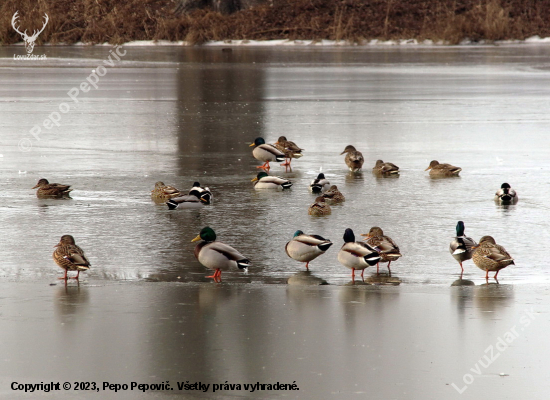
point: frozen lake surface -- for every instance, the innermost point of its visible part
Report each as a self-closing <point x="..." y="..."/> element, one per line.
<point x="146" y="312"/>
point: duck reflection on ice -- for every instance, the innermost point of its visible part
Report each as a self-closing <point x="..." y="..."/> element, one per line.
<point x="490" y="297"/>
<point x="305" y="278"/>
<point x="69" y="302"/>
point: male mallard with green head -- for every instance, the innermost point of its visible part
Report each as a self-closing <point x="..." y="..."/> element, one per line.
<point x="506" y="195"/>
<point x="462" y="246"/>
<point x="306" y="248"/>
<point x="266" y="153"/>
<point x="356" y="255"/>
<point x="290" y="149"/>
<point x="191" y="200"/>
<point x="441" y="170"/>
<point x="216" y="255"/>
<point x="51" y="190"/>
<point x="490" y="256"/>
<point x="70" y="257"/>
<point x="319" y="184"/>
<point x="384" y="245"/>
<point x="265" y="181"/>
<point x="354" y="159"/>
<point x="204" y="192"/>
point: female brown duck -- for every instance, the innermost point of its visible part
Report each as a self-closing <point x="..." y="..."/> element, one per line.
<point x="51" y="190"/>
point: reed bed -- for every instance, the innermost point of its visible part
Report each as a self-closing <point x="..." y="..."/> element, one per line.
<point x="356" y="21"/>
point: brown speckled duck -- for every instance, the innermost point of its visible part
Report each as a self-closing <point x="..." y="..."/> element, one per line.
<point x="51" y="190"/>
<point x="290" y="149"/>
<point x="354" y="159"/>
<point x="319" y="208"/>
<point x="385" y="168"/>
<point x="441" y="170"/>
<point x="333" y="195"/>
<point x="70" y="257"/>
<point x="162" y="193"/>
<point x="490" y="256"/>
<point x="386" y="247"/>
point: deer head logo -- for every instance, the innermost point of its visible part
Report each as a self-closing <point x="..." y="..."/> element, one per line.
<point x="29" y="40"/>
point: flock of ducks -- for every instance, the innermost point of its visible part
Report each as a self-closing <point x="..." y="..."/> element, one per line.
<point x="374" y="249"/>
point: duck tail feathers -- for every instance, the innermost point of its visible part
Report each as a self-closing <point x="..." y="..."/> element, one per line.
<point x="286" y="185"/>
<point x="172" y="205"/>
<point x="243" y="264"/>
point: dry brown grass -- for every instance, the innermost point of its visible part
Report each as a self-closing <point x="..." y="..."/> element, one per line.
<point x="119" y="21"/>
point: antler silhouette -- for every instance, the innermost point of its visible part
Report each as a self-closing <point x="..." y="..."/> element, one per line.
<point x="35" y="34"/>
<point x="13" y="20"/>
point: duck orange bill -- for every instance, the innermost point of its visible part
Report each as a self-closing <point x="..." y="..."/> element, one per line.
<point x="34" y="187"/>
<point x="252" y="144"/>
<point x="367" y="236"/>
<point x="428" y="168"/>
<point x="196" y="239"/>
<point x="254" y="180"/>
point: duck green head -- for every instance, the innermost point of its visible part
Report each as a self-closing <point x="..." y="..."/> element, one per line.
<point x="259" y="176"/>
<point x="349" y="236"/>
<point x="207" y="234"/>
<point x="298" y="233"/>
<point x="258" y="141"/>
<point x="460" y="228"/>
<point x="321" y="176"/>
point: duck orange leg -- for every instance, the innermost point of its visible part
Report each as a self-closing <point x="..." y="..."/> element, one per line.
<point x="215" y="274"/>
<point x="77" y="274"/>
<point x="389" y="270"/>
<point x="265" y="166"/>
<point x="64" y="276"/>
<point x="287" y="163"/>
<point x="487" y="275"/>
<point x="307" y="266"/>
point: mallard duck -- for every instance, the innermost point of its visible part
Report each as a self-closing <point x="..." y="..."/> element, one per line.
<point x="354" y="159"/>
<point x="462" y="246"/>
<point x="162" y="193"/>
<point x="383" y="168"/>
<point x="319" y="184"/>
<point x="438" y="170"/>
<point x="191" y="200"/>
<point x="306" y="248"/>
<point x="266" y="153"/>
<point x="506" y="195"/>
<point x="265" y="181"/>
<point x="356" y="255"/>
<point x="333" y="195"/>
<point x="319" y="208"/>
<point x="290" y="149"/>
<point x="204" y="192"/>
<point x="490" y="256"/>
<point x="51" y="190"/>
<point x="70" y="257"/>
<point x="383" y="244"/>
<point x="217" y="256"/>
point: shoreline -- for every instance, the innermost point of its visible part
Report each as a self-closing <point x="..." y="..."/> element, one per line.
<point x="534" y="40"/>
